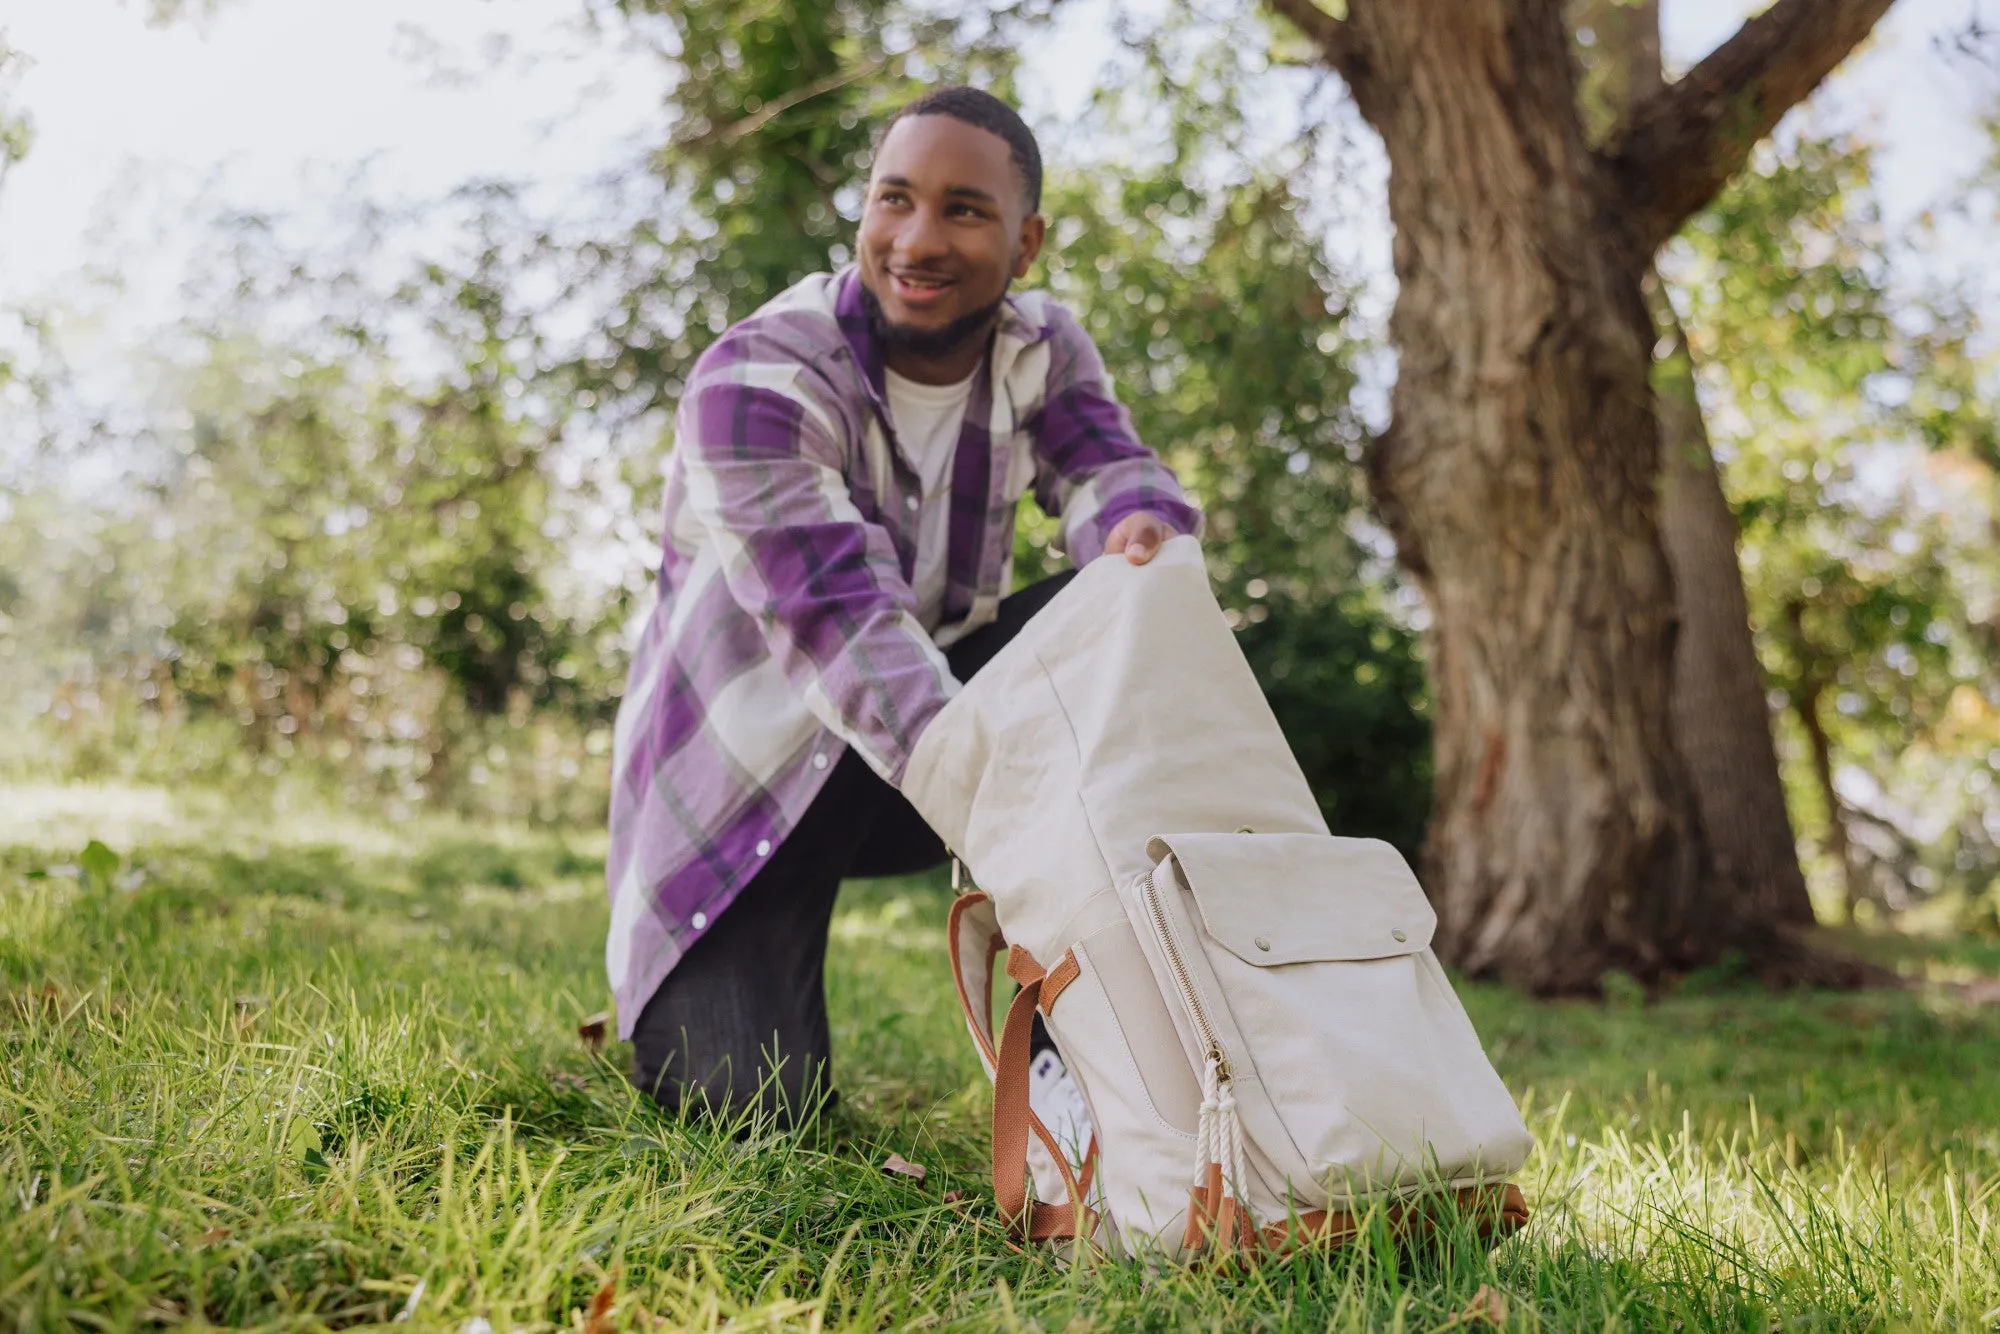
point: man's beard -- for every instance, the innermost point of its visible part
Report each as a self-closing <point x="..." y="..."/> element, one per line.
<point x="927" y="343"/>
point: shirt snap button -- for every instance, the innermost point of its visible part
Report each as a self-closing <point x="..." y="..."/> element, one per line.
<point x="1400" y="934"/>
<point x="699" y="920"/>
<point x="763" y="847"/>
<point x="910" y="504"/>
<point x="1263" y="944"/>
<point x="819" y="760"/>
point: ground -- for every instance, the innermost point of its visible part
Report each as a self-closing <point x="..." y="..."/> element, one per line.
<point x="295" y="1071"/>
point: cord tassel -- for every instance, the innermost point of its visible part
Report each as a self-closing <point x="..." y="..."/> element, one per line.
<point x="1219" y="1208"/>
<point x="1229" y="1144"/>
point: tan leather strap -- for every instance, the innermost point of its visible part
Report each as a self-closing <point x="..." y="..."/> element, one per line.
<point x="1013" y="1120"/>
<point x="975" y="942"/>
<point x="1060" y="976"/>
<point x="1497" y="1211"/>
<point x="1202" y="1204"/>
<point x="1021" y="965"/>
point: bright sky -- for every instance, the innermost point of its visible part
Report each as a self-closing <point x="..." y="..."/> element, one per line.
<point x="274" y="104"/>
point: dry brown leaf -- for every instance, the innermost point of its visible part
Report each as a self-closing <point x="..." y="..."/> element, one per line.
<point x="902" y="1166"/>
<point x="1487" y="1307"/>
<point x="953" y="1196"/>
<point x="213" y="1235"/>
<point x="599" y="1319"/>
<point x="591" y="1031"/>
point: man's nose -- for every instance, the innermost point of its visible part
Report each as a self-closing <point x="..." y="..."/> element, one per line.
<point x="924" y="238"/>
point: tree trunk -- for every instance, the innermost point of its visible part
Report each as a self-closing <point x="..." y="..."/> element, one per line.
<point x="1721" y="722"/>
<point x="1520" y="478"/>
<point x="1520" y="481"/>
<point x="1812" y="689"/>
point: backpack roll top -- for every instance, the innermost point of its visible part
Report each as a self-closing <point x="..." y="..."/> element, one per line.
<point x="1307" y="988"/>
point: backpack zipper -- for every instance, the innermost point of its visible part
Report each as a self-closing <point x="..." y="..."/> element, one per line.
<point x="1211" y="1045"/>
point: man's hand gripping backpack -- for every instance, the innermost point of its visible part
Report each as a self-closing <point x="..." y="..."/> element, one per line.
<point x="1265" y="1041"/>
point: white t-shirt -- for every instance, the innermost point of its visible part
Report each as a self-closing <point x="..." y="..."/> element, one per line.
<point x="927" y="418"/>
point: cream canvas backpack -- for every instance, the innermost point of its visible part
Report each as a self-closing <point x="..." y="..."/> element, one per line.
<point x="1249" y="1006"/>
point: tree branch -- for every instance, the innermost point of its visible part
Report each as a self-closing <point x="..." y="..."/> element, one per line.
<point x="727" y="135"/>
<point x="1334" y="37"/>
<point x="1678" y="146"/>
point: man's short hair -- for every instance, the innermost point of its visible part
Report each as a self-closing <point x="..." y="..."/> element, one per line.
<point x="976" y="106"/>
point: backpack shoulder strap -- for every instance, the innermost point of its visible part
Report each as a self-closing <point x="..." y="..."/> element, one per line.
<point x="1014" y="1118"/>
<point x="976" y="945"/>
<point x="974" y="934"/>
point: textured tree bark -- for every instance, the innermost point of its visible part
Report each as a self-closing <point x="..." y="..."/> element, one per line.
<point x="1721" y="721"/>
<point x="1812" y="688"/>
<point x="1519" y="481"/>
<point x="1520" y="477"/>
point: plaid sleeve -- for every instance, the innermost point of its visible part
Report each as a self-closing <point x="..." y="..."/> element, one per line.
<point x="1091" y="470"/>
<point x="762" y="462"/>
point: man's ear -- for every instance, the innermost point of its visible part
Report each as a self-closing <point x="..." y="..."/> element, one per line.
<point x="1033" y="228"/>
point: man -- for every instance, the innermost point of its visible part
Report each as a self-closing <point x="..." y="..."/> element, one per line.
<point x="840" y="524"/>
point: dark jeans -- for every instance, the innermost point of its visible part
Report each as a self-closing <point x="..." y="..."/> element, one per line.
<point x="740" y="1023"/>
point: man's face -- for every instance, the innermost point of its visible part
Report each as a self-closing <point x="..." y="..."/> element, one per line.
<point x="946" y="228"/>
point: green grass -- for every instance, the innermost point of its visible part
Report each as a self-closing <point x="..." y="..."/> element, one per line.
<point x="284" y="1072"/>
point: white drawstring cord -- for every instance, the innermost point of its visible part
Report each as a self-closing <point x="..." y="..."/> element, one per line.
<point x="1229" y="1134"/>
<point x="1219" y="1140"/>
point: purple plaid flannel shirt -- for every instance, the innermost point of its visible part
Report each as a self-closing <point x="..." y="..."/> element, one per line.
<point x="785" y="630"/>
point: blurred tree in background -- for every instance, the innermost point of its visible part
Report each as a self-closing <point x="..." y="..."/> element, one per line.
<point x="1859" y="459"/>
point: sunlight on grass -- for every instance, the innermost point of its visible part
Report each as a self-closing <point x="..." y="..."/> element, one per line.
<point x="299" y="1083"/>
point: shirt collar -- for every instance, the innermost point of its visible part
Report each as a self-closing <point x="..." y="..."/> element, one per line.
<point x="1017" y="330"/>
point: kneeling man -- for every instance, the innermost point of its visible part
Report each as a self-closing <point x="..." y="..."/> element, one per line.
<point x="840" y="528"/>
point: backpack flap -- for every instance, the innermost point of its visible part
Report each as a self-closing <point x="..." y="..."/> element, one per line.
<point x="1273" y="899"/>
<point x="1306" y="959"/>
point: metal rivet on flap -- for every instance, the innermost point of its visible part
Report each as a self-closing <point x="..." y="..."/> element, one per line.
<point x="1400" y="934"/>
<point x="1262" y="943"/>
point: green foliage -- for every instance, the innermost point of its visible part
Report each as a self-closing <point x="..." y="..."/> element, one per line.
<point x="1347" y="685"/>
<point x="1230" y="336"/>
<point x="773" y="113"/>
<point x="1227" y="335"/>
<point x="363" y="499"/>
<point x="288" y="1082"/>
<point x="17" y="129"/>
<point x="331" y="562"/>
<point x="98" y="863"/>
<point x="1847" y="427"/>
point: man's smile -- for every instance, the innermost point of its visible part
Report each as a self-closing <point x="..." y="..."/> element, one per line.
<point x="919" y="289"/>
